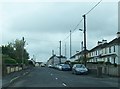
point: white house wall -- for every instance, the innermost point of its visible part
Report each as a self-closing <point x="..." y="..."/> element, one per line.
<point x="105" y="51"/>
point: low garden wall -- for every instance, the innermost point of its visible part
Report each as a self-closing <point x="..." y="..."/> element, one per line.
<point x="6" y="69"/>
<point x="106" y="69"/>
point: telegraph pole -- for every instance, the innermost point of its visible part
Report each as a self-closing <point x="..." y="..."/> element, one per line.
<point x="85" y="61"/>
<point x="65" y="49"/>
<point x="53" y="57"/>
<point x="22" y="51"/>
<point x="52" y="52"/>
<point x="60" y="52"/>
<point x="82" y="46"/>
<point x="70" y="43"/>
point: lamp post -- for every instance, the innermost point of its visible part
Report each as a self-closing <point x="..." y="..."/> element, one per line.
<point x="85" y="48"/>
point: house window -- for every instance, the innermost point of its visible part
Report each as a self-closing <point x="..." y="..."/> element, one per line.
<point x="96" y="59"/>
<point x="108" y="59"/>
<point x="96" y="52"/>
<point x="109" y="49"/>
<point x="114" y="60"/>
<point x="105" y="50"/>
<point x="113" y="48"/>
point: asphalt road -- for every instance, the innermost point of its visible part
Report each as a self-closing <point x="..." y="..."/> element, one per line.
<point x="48" y="77"/>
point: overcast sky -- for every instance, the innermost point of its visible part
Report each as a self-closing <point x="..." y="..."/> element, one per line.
<point x="44" y="24"/>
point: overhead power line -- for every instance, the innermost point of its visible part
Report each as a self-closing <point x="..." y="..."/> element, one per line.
<point x="82" y="19"/>
<point x="77" y="25"/>
<point x="93" y="7"/>
<point x="73" y="30"/>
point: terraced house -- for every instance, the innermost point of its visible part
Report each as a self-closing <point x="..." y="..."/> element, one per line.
<point x="106" y="52"/>
<point x="103" y="52"/>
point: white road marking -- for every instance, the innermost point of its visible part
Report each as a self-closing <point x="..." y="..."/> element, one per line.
<point x="64" y="84"/>
<point x="14" y="79"/>
<point x="24" y="73"/>
<point x="51" y="74"/>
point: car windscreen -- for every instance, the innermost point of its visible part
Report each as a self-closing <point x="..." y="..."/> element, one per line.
<point x="67" y="66"/>
<point x="80" y="66"/>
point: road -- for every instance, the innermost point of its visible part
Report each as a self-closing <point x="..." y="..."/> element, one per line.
<point x="48" y="77"/>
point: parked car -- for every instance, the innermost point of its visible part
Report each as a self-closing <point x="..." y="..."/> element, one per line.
<point x="42" y="65"/>
<point x="79" y="69"/>
<point x="56" y="66"/>
<point x="64" y="67"/>
<point x="50" y="66"/>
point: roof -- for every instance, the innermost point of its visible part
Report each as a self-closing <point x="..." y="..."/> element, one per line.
<point x="57" y="56"/>
<point x="52" y="56"/>
<point x="61" y="56"/>
<point x="81" y="52"/>
<point x="113" y="42"/>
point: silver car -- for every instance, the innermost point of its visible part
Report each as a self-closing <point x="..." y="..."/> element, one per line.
<point x="79" y="69"/>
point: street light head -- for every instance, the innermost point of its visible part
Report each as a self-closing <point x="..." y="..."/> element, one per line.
<point x="83" y="15"/>
<point x="81" y="29"/>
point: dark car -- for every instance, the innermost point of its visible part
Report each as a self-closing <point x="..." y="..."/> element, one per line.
<point x="79" y="69"/>
<point x="64" y="67"/>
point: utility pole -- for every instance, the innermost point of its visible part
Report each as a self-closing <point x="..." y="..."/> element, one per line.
<point x="53" y="56"/>
<point x="22" y="51"/>
<point x="52" y="52"/>
<point x="70" y="43"/>
<point x="82" y="46"/>
<point x="65" y="49"/>
<point x="85" y="61"/>
<point x="34" y="58"/>
<point x="60" y="52"/>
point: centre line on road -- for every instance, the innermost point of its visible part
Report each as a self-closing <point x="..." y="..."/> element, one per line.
<point x="51" y="74"/>
<point x="64" y="84"/>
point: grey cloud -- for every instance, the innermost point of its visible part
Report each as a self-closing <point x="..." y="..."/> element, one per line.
<point x="43" y="25"/>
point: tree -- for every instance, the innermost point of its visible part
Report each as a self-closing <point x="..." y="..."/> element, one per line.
<point x="20" y="52"/>
<point x="16" y="51"/>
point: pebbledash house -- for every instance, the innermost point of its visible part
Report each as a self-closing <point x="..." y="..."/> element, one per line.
<point x="106" y="52"/>
<point x="103" y="52"/>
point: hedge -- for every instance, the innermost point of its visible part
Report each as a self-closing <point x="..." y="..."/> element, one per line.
<point x="7" y="60"/>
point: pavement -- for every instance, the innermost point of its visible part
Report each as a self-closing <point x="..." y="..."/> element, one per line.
<point x="12" y="77"/>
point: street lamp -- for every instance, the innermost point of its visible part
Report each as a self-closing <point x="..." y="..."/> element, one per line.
<point x="84" y="31"/>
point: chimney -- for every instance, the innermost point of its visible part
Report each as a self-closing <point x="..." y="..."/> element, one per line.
<point x="99" y="42"/>
<point x="77" y="51"/>
<point x="104" y="41"/>
<point x="118" y="34"/>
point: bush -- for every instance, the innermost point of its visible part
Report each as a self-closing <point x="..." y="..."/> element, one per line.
<point x="100" y="62"/>
<point x="108" y="63"/>
<point x="115" y="65"/>
<point x="10" y="61"/>
<point x="7" y="60"/>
